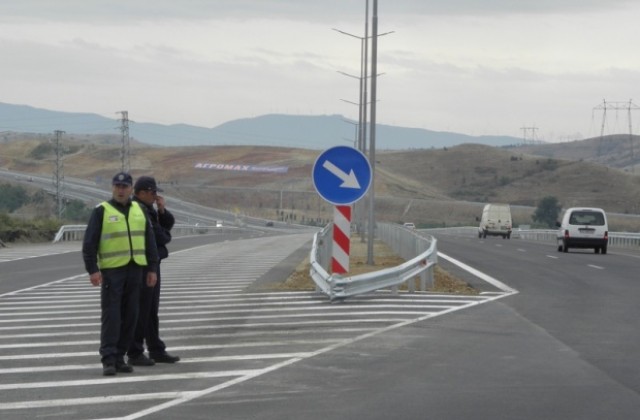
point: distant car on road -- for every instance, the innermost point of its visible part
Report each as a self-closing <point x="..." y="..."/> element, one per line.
<point x="583" y="228"/>
<point x="269" y="224"/>
<point x="200" y="228"/>
<point x="409" y="225"/>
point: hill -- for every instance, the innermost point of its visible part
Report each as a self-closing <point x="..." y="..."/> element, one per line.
<point x="308" y="132"/>
<point x="430" y="187"/>
<point x="620" y="151"/>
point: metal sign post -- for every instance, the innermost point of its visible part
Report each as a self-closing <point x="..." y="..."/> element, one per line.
<point x="341" y="175"/>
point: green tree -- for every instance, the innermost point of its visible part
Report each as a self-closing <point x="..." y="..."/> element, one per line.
<point x="12" y="198"/>
<point x="547" y="212"/>
<point x="77" y="211"/>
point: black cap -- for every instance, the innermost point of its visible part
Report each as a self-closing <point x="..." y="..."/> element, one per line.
<point x="122" y="178"/>
<point x="147" y="183"/>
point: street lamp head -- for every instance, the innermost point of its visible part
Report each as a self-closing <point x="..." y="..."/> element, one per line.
<point x="349" y="75"/>
<point x="362" y="37"/>
<point x="350" y="102"/>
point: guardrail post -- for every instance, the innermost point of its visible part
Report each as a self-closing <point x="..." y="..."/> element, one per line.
<point x="411" y="285"/>
<point x="423" y="281"/>
<point x="430" y="275"/>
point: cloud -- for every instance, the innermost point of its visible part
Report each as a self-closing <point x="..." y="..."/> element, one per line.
<point x="457" y="65"/>
<point x="318" y="11"/>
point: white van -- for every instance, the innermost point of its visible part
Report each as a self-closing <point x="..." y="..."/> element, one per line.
<point x="495" y="221"/>
<point x="583" y="227"/>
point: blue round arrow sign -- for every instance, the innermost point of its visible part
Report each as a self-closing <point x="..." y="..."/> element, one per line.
<point x="342" y="175"/>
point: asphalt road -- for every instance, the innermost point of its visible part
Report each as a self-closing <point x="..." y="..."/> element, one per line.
<point x="565" y="346"/>
<point x="62" y="260"/>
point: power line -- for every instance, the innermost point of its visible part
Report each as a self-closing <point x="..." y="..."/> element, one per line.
<point x="58" y="174"/>
<point x="617" y="106"/>
<point x="532" y="138"/>
<point x="125" y="153"/>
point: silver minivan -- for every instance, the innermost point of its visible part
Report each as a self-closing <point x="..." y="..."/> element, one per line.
<point x="583" y="227"/>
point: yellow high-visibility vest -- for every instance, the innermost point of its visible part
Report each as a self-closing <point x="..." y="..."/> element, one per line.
<point x="122" y="237"/>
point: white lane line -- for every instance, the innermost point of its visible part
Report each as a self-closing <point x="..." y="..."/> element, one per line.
<point x="271" y="299"/>
<point x="213" y="389"/>
<point x="323" y="322"/>
<point x="286" y="332"/>
<point x="260" y="321"/>
<point x="553" y="257"/>
<point x="57" y="368"/>
<point x="176" y="348"/>
<point x="128" y="379"/>
<point x="597" y="267"/>
<point x="478" y="274"/>
<point x="217" y="319"/>
<point x="202" y="347"/>
<point x="319" y="306"/>
<point x="93" y="400"/>
<point x="21" y="291"/>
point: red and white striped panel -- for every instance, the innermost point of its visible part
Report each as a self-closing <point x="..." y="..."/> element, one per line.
<point x="341" y="239"/>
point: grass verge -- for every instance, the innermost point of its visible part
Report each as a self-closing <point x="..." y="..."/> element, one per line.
<point x="383" y="257"/>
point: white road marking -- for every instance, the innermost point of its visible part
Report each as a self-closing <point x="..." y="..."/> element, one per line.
<point x="207" y="317"/>
<point x="479" y="274"/>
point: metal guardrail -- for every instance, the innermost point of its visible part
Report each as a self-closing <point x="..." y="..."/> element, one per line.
<point x="616" y="239"/>
<point x="416" y="246"/>
<point x="70" y="233"/>
<point x="418" y="249"/>
<point x="76" y="232"/>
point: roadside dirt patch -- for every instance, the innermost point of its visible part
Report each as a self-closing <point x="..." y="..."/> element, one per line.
<point x="383" y="257"/>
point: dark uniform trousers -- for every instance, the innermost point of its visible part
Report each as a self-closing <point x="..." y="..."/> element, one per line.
<point x="148" y="328"/>
<point x="119" y="298"/>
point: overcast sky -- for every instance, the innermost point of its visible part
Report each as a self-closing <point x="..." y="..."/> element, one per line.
<point x="468" y="66"/>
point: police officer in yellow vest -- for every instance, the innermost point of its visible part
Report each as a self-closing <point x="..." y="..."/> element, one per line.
<point x="118" y="243"/>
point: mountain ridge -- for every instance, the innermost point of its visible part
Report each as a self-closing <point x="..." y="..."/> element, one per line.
<point x="301" y="131"/>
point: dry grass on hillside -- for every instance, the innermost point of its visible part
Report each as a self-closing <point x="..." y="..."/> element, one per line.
<point x="430" y="187"/>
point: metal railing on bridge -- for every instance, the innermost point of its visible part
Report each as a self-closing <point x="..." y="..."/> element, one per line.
<point x="76" y="232"/>
<point x="616" y="239"/>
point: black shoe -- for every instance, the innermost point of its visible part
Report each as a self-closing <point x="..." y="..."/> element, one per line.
<point x="122" y="367"/>
<point x="108" y="369"/>
<point x="141" y="360"/>
<point x="164" y="358"/>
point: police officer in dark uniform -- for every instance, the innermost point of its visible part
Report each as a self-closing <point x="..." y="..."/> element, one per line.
<point x="118" y="244"/>
<point x="145" y="193"/>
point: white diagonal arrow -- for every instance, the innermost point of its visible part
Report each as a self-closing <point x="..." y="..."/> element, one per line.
<point x="348" y="180"/>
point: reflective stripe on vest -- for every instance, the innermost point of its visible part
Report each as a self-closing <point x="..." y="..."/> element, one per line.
<point x="122" y="237"/>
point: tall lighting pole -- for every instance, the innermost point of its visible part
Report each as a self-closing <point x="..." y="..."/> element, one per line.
<point x="362" y="112"/>
<point x="362" y="116"/>
<point x="372" y="138"/>
<point x="364" y="76"/>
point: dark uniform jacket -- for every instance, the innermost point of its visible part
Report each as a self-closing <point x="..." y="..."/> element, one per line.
<point x="162" y="224"/>
<point x="92" y="238"/>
